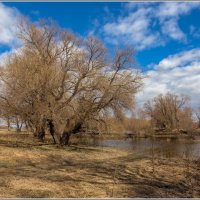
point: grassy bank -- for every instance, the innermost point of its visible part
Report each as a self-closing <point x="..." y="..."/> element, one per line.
<point x="29" y="168"/>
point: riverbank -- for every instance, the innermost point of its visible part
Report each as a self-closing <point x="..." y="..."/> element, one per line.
<point x="156" y="134"/>
<point x="29" y="168"/>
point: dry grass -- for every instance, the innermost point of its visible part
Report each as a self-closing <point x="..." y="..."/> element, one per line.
<point x="31" y="169"/>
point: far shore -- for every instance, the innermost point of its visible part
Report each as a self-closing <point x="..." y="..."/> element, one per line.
<point x="121" y="136"/>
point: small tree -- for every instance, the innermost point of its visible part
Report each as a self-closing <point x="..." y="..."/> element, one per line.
<point x="165" y="110"/>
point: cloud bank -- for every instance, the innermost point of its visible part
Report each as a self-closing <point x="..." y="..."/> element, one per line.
<point x="8" y="25"/>
<point x="149" y="24"/>
<point x="179" y="73"/>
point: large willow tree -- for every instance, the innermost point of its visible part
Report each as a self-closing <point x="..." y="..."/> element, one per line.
<point x="61" y="83"/>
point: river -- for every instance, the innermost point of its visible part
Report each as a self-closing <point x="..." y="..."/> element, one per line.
<point x="167" y="147"/>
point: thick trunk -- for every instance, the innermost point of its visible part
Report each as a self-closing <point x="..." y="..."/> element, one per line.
<point x="55" y="136"/>
<point x="64" y="140"/>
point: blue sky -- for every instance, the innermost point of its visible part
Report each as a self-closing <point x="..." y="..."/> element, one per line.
<point x="166" y="37"/>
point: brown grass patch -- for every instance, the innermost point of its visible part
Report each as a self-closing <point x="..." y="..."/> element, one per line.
<point x="31" y="169"/>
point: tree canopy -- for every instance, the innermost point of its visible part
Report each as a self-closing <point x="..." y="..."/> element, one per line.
<point x="61" y="83"/>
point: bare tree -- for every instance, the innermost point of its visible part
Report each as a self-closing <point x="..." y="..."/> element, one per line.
<point x="61" y="83"/>
<point x="165" y="110"/>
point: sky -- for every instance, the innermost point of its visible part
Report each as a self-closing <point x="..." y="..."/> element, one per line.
<point x="165" y="36"/>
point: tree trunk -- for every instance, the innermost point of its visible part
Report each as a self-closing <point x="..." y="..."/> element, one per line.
<point x="41" y="134"/>
<point x="26" y="126"/>
<point x="55" y="136"/>
<point x="18" y="124"/>
<point x="64" y="140"/>
<point x="21" y="126"/>
<point x="8" y="123"/>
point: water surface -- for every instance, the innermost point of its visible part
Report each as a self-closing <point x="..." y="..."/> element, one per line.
<point x="167" y="147"/>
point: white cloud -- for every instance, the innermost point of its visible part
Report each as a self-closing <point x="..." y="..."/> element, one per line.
<point x="134" y="28"/>
<point x="179" y="73"/>
<point x="8" y="25"/>
<point x="148" y="24"/>
<point x="174" y="9"/>
<point x="169" y="13"/>
<point x="171" y="28"/>
<point x="180" y="59"/>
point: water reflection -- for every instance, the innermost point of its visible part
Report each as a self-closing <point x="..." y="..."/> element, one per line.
<point x="167" y="147"/>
